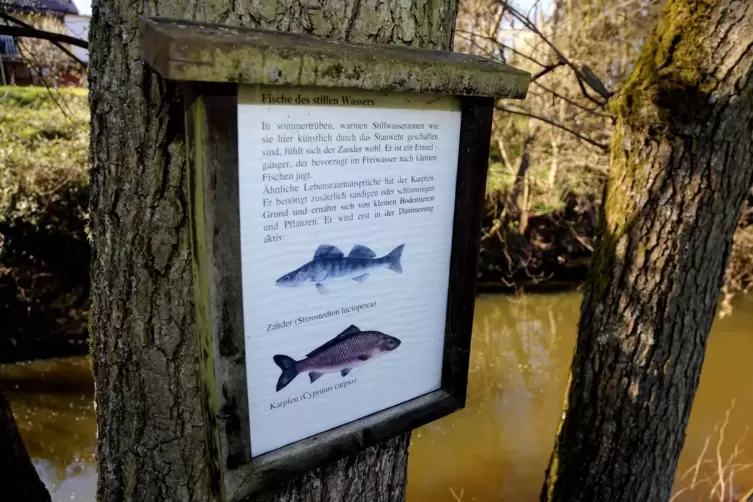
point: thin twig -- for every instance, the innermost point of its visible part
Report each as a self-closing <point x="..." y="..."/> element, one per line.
<point x="484" y="50"/>
<point x="44" y="82"/>
<point x="500" y="45"/>
<point x="28" y="31"/>
<point x="546" y="70"/>
<point x="553" y="123"/>
<point x="586" y="76"/>
<point x="720" y="469"/>
<point x="698" y="464"/>
<point x="587" y="95"/>
<point x="458" y="498"/>
<point x="568" y="100"/>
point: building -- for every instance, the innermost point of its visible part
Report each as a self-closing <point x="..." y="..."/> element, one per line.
<point x="13" y="67"/>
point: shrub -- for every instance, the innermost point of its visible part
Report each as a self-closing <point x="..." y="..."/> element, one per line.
<point x="44" y="197"/>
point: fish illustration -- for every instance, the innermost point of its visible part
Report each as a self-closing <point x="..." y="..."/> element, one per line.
<point x="331" y="263"/>
<point x="347" y="350"/>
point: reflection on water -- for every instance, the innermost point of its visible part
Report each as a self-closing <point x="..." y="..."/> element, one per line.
<point x="495" y="450"/>
<point x="53" y="405"/>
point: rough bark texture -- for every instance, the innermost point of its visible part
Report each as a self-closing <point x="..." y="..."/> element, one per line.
<point x="682" y="162"/>
<point x="150" y="425"/>
<point x="20" y="479"/>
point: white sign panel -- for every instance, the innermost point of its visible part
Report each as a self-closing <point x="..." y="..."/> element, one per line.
<point x="346" y="212"/>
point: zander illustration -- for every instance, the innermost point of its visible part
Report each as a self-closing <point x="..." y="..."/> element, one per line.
<point x="331" y="263"/>
<point x="347" y="350"/>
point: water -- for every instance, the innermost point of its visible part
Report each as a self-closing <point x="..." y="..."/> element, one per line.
<point x="497" y="449"/>
<point x="494" y="450"/>
<point x="53" y="404"/>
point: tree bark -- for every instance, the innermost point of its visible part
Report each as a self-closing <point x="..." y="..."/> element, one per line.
<point x="151" y="434"/>
<point x="681" y="164"/>
<point x="20" y="478"/>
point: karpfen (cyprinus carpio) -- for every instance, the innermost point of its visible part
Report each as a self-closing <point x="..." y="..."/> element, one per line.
<point x="347" y="350"/>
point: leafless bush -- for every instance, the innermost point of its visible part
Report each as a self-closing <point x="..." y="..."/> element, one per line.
<point x="46" y="60"/>
<point x="712" y="477"/>
<point x="556" y="141"/>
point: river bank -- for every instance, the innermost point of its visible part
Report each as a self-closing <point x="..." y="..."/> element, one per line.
<point x="44" y="199"/>
<point x="495" y="449"/>
<point x="45" y="254"/>
<point x="551" y="252"/>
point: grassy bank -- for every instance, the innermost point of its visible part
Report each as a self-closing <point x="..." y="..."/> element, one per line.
<point x="44" y="196"/>
<point x="539" y="230"/>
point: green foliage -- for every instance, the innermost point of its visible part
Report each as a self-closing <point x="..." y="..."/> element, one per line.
<point x="44" y="146"/>
<point x="44" y="198"/>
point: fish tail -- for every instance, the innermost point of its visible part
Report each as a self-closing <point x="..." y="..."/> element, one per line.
<point x="394" y="259"/>
<point x="289" y="370"/>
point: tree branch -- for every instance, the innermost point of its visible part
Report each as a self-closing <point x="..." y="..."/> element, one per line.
<point x="546" y="70"/>
<point x="29" y="32"/>
<point x="585" y="75"/>
<point x="553" y="123"/>
<point x="478" y="46"/>
<point x="568" y="100"/>
<point x="78" y="42"/>
<point x="501" y="45"/>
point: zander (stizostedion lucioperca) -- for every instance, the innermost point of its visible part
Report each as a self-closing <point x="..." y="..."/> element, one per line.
<point x="331" y="263"/>
<point x="347" y="350"/>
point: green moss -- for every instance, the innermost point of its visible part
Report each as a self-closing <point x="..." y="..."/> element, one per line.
<point x="193" y="52"/>
<point x="196" y="121"/>
<point x="669" y="73"/>
<point x="652" y="104"/>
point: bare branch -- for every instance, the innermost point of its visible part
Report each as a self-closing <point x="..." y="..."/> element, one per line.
<point x="568" y="100"/>
<point x="478" y="46"/>
<point x="553" y="123"/>
<point x="28" y="31"/>
<point x="590" y="79"/>
<point x="594" y="83"/>
<point x="546" y="70"/>
<point x="38" y="70"/>
<point x="501" y="45"/>
<point x="587" y="95"/>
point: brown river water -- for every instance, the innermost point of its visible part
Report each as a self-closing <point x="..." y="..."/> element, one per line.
<point x="494" y="450"/>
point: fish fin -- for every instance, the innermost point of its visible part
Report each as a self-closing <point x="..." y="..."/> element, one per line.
<point x="359" y="251"/>
<point x="322" y="289"/>
<point x="394" y="259"/>
<point x="315" y="375"/>
<point x="361" y="278"/>
<point x="328" y="251"/>
<point x="289" y="370"/>
<point x="364" y="357"/>
<point x="345" y="371"/>
<point x="350" y="330"/>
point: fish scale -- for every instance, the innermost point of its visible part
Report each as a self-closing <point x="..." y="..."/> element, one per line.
<point x="347" y="350"/>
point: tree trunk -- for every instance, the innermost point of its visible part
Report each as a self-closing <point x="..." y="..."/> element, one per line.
<point x="20" y="479"/>
<point x="681" y="164"/>
<point x="150" y="425"/>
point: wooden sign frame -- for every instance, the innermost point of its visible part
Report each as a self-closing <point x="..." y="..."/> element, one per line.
<point x="178" y="51"/>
